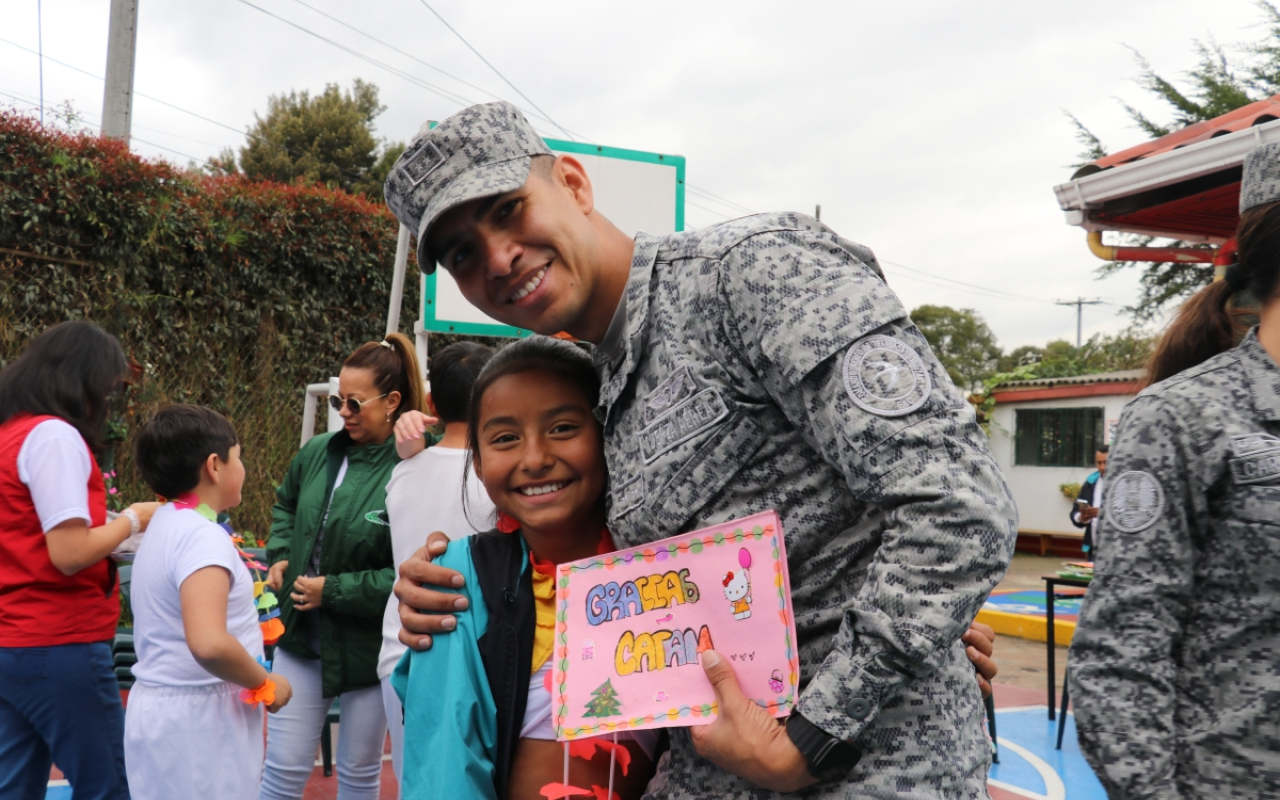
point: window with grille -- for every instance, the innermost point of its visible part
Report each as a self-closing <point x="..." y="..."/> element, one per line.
<point x="1057" y="437"/>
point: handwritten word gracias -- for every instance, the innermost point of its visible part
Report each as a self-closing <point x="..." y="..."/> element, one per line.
<point x="609" y="601"/>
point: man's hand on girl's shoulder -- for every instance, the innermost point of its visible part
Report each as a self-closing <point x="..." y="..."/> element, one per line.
<point x="426" y="611"/>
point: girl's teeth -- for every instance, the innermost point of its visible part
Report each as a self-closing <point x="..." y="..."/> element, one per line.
<point x="533" y="491"/>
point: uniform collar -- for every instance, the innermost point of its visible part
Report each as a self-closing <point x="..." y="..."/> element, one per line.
<point x="1263" y="375"/>
<point x="635" y="298"/>
<point x="613" y="346"/>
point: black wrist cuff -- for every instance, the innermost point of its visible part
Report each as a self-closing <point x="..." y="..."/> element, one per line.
<point x="830" y="759"/>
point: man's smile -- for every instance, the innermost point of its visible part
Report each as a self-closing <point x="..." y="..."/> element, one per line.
<point x="526" y="288"/>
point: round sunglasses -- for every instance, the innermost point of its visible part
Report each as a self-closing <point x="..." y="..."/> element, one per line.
<point x="353" y="405"/>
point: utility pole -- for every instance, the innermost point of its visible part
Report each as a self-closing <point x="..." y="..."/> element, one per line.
<point x="817" y="212"/>
<point x="1079" y="303"/>
<point x="117" y="96"/>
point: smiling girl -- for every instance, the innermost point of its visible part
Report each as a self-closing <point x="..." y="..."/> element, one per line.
<point x="487" y="732"/>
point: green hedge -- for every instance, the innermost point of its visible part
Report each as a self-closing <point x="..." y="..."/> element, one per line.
<point x="228" y="293"/>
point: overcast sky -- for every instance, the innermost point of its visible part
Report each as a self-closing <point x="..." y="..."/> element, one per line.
<point x="932" y="132"/>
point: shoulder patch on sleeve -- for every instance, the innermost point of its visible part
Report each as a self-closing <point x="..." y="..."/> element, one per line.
<point x="1134" y="501"/>
<point x="885" y="376"/>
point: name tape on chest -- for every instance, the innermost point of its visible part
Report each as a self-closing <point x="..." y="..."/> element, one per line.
<point x="1261" y="467"/>
<point x="1134" y="501"/>
<point x="683" y="422"/>
<point x="886" y="377"/>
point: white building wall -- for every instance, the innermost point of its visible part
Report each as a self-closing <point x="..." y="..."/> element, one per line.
<point x="1041" y="506"/>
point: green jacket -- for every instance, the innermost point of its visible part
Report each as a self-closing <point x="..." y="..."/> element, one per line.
<point x="355" y="554"/>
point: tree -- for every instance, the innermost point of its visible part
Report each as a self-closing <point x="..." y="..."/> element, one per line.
<point x="1128" y="349"/>
<point x="1222" y="81"/>
<point x="604" y="702"/>
<point x="962" y="342"/>
<point x="325" y="139"/>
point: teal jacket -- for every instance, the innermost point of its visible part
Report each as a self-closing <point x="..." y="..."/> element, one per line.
<point x="355" y="554"/>
<point x="464" y="699"/>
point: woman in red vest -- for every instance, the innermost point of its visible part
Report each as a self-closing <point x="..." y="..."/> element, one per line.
<point x="59" y="597"/>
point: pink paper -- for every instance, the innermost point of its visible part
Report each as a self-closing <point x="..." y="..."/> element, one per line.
<point x="631" y="626"/>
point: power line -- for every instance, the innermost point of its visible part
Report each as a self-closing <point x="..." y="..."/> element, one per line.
<point x="998" y="292"/>
<point x="492" y="67"/>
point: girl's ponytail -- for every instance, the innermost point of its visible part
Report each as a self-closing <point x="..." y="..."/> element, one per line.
<point x="394" y="364"/>
<point x="1212" y="320"/>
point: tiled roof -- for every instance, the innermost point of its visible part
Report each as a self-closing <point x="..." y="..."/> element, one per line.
<point x="1185" y="184"/>
<point x="1122" y="376"/>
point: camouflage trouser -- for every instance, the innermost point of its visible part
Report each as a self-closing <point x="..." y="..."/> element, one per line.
<point x="928" y="742"/>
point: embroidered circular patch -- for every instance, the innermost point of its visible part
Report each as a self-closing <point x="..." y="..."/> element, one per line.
<point x="886" y="376"/>
<point x="1134" y="501"/>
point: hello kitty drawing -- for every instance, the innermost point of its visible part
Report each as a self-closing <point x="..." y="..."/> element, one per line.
<point x="737" y="586"/>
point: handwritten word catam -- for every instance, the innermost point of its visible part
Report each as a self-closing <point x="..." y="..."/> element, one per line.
<point x="609" y="601"/>
<point x="646" y="652"/>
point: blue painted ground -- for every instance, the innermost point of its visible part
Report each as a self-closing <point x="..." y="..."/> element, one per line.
<point x="1032" y="602"/>
<point x="1030" y="766"/>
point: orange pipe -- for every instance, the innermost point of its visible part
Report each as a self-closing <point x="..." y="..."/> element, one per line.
<point x="1186" y="255"/>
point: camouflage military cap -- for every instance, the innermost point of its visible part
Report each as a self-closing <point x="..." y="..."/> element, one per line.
<point x="479" y="152"/>
<point x="1261" y="182"/>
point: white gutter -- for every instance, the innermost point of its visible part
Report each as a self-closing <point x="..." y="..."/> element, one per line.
<point x="1192" y="161"/>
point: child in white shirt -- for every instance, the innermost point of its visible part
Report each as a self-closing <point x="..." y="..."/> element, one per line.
<point x="193" y="726"/>
<point x="426" y="493"/>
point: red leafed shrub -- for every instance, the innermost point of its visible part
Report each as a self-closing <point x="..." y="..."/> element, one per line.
<point x="230" y="293"/>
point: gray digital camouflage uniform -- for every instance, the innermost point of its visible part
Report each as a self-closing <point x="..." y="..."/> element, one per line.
<point x="766" y="365"/>
<point x="1175" y="663"/>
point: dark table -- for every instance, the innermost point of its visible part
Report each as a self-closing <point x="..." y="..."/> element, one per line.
<point x="1051" y="581"/>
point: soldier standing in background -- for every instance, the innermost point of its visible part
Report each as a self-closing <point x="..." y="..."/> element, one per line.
<point x="756" y="364"/>
<point x="1175" y="662"/>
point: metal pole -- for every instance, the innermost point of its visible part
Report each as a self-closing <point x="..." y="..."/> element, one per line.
<point x="1079" y="303"/>
<point x="40" y="47"/>
<point x="397" y="281"/>
<point x="117" y="95"/>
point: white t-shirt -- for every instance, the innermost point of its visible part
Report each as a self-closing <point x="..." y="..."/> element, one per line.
<point x="179" y="542"/>
<point x="54" y="464"/>
<point x="425" y="495"/>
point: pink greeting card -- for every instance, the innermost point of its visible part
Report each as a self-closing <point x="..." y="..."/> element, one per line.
<point x="631" y="626"/>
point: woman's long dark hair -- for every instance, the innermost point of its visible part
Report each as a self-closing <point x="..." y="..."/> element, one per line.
<point x="69" y="371"/>
<point x="1206" y="325"/>
<point x="555" y="357"/>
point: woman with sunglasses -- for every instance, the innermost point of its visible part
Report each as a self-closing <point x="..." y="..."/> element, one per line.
<point x="331" y="560"/>
<point x="59" y="596"/>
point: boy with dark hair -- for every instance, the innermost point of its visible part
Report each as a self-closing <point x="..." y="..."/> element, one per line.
<point x="193" y="727"/>
<point x="431" y="489"/>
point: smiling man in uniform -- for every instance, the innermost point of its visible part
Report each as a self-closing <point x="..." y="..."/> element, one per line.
<point x="761" y="363"/>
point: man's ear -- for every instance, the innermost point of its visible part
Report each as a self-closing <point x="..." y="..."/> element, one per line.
<point x="570" y="173"/>
<point x="431" y="405"/>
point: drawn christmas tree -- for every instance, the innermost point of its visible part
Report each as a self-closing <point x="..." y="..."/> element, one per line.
<point x="604" y="702"/>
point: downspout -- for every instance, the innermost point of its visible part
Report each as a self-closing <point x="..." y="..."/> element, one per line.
<point x="1186" y="255"/>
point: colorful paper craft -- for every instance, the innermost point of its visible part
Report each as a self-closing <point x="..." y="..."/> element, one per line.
<point x="631" y="627"/>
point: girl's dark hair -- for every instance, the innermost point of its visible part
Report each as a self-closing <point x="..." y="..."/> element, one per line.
<point x="556" y="357"/>
<point x="453" y="372"/>
<point x="172" y="447"/>
<point x="68" y="371"/>
<point x="395" y="369"/>
<point x="1205" y="325"/>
